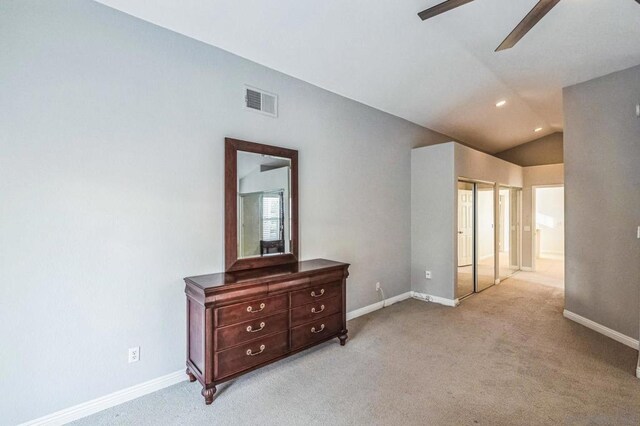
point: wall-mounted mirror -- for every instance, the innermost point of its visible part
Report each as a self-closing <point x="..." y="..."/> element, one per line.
<point x="261" y="203"/>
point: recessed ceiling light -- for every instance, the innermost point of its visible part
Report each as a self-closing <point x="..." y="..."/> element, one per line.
<point x="501" y="103"/>
<point x="537" y="129"/>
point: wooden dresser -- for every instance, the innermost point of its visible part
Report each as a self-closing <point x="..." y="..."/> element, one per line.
<point x="240" y="321"/>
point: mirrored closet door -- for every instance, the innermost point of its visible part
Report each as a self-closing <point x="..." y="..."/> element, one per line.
<point x="485" y="236"/>
<point x="488" y="235"/>
<point x="465" y="237"/>
<point x="475" y="237"/>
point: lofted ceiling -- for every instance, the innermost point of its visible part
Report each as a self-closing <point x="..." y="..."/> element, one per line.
<point x="442" y="73"/>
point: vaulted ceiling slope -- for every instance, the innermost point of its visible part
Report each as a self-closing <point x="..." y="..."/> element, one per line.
<point x="546" y="150"/>
<point x="442" y="73"/>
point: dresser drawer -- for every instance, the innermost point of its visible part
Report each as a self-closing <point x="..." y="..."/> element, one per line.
<point x="304" y="335"/>
<point x="250" y="354"/>
<point x="251" y="310"/>
<point x="313" y="294"/>
<point x="314" y="311"/>
<point x="232" y="335"/>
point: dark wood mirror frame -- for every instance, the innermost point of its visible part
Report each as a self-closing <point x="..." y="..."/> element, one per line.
<point x="232" y="263"/>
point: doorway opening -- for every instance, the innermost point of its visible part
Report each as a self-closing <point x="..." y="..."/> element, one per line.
<point x="548" y="241"/>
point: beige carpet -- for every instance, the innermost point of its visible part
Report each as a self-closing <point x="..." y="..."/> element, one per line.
<point x="505" y="356"/>
<point x="549" y="272"/>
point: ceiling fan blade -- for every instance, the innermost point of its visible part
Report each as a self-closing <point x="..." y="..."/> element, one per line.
<point x="442" y="7"/>
<point x="537" y="13"/>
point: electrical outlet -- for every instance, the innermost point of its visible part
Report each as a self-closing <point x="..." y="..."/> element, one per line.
<point x="377" y="286"/>
<point x="134" y="354"/>
<point x="427" y="274"/>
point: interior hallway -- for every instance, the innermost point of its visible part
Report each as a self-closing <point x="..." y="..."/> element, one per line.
<point x="549" y="272"/>
<point x="504" y="356"/>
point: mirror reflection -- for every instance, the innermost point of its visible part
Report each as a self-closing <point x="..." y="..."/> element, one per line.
<point x="263" y="205"/>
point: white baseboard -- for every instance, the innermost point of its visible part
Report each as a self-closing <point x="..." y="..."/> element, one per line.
<point x="119" y="397"/>
<point x="116" y="398"/>
<point x="551" y="253"/>
<point x="378" y="305"/>
<point x="617" y="336"/>
<point x="526" y="268"/>
<point x="435" y="299"/>
<point x="390" y="301"/>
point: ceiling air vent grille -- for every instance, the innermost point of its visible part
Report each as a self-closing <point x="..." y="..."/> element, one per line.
<point x="259" y="100"/>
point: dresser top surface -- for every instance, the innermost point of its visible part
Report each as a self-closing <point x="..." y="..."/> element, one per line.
<point x="221" y="279"/>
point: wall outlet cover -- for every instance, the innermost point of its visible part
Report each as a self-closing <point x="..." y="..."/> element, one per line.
<point x="134" y="354"/>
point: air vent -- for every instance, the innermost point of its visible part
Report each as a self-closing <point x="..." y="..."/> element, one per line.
<point x="261" y="101"/>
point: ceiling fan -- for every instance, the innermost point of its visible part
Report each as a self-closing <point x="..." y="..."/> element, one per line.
<point x="537" y="13"/>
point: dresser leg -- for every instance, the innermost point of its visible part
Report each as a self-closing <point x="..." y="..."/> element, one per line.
<point x="192" y="378"/>
<point x="208" y="394"/>
<point x="343" y="338"/>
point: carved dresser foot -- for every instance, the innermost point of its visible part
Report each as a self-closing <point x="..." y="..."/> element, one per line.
<point x="343" y="338"/>
<point x="208" y="395"/>
<point x="192" y="378"/>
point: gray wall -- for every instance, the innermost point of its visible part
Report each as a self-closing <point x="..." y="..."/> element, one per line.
<point x="546" y="150"/>
<point x="433" y="192"/>
<point x="552" y="174"/>
<point x="111" y="175"/>
<point x="602" y="200"/>
<point x="434" y="175"/>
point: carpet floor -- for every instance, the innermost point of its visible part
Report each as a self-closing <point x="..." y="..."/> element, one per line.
<point x="505" y="356"/>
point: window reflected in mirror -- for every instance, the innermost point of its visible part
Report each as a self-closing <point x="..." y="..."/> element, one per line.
<point x="264" y="213"/>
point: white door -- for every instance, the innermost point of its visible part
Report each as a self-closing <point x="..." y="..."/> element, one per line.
<point x="465" y="227"/>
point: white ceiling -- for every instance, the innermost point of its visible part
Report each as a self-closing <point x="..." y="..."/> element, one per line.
<point x="441" y="73"/>
<point x="249" y="162"/>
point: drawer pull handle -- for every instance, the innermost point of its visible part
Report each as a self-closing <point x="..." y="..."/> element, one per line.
<point x="251" y="330"/>
<point x="313" y="310"/>
<point x="250" y="309"/>
<point x="313" y="293"/>
<point x="313" y="329"/>
<point x="257" y="353"/>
